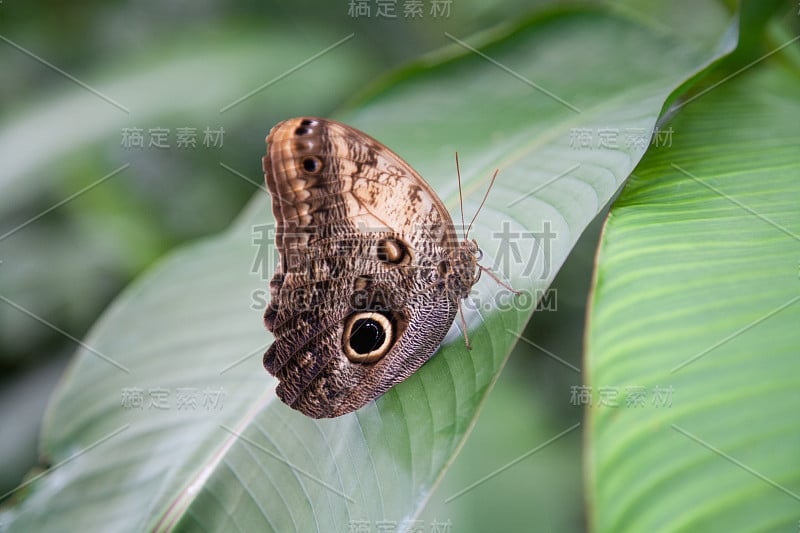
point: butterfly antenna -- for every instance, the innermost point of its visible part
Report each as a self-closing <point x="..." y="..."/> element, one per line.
<point x="485" y="196"/>
<point x="460" y="195"/>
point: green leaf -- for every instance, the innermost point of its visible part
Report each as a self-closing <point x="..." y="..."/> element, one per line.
<point x="194" y="322"/>
<point x="698" y="294"/>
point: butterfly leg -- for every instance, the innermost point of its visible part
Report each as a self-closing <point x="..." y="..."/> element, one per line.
<point x="464" y="327"/>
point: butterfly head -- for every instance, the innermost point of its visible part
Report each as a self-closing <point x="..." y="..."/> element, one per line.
<point x="474" y="249"/>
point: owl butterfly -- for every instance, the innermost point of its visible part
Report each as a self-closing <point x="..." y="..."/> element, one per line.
<point x="371" y="273"/>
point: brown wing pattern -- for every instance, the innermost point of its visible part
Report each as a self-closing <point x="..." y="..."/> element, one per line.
<point x="359" y="299"/>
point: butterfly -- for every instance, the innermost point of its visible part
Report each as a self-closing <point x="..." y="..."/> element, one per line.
<point x="371" y="273"/>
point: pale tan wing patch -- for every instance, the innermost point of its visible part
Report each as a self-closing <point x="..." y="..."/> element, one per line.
<point x="321" y="172"/>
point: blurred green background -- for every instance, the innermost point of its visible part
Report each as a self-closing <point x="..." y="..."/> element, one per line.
<point x="78" y="78"/>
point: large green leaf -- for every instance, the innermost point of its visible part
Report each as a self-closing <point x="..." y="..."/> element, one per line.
<point x="252" y="462"/>
<point x="697" y="296"/>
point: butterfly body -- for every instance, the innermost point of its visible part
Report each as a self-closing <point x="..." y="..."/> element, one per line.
<point x="371" y="273"/>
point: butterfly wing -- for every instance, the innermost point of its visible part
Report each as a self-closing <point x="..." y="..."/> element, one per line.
<point x="358" y="300"/>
